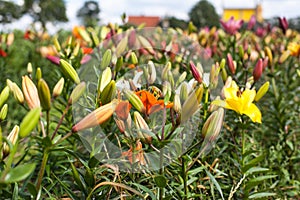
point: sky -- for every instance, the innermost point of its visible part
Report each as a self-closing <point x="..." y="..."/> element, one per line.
<point x="111" y="10"/>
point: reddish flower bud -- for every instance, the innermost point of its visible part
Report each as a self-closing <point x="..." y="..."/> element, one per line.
<point x="196" y="72"/>
<point x="258" y="69"/>
<point x="230" y="64"/>
<point x="283" y="24"/>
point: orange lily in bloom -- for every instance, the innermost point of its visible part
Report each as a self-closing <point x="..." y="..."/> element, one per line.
<point x="136" y="154"/>
<point x="151" y="103"/>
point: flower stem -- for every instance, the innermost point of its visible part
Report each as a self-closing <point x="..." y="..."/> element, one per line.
<point x="60" y="121"/>
<point x="42" y="169"/>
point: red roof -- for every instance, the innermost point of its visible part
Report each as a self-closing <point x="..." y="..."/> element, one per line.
<point x="149" y="21"/>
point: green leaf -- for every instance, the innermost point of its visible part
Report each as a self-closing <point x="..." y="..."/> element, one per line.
<point x="160" y="181"/>
<point x="215" y="182"/>
<point x="19" y="173"/>
<point x="145" y="189"/>
<point x="16" y="192"/>
<point x="255" y="181"/>
<point x="255" y="170"/>
<point x="261" y="195"/>
<point x="253" y="162"/>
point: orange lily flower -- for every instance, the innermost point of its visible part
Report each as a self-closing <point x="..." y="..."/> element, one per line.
<point x="136" y="155"/>
<point x="151" y="103"/>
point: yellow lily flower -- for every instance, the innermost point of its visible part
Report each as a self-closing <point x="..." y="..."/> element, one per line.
<point x="240" y="102"/>
<point x="294" y="49"/>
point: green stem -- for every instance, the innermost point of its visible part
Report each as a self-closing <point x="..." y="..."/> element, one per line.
<point x="60" y="121"/>
<point x="161" y="172"/>
<point x="205" y="102"/>
<point x="48" y="122"/>
<point x="42" y="169"/>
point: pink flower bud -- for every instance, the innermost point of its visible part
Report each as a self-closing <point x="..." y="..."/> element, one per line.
<point x="230" y="64"/>
<point x="196" y="72"/>
<point x="258" y="69"/>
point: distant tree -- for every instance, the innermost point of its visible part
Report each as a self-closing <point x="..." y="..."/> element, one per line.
<point x="9" y="12"/>
<point x="44" y="11"/>
<point x="204" y="14"/>
<point x="175" y="22"/>
<point x="89" y="13"/>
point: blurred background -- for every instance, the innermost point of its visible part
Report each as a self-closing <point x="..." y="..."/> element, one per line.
<point x="64" y="14"/>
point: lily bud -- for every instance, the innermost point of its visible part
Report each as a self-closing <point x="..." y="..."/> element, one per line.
<point x="268" y="52"/>
<point x="29" y="68"/>
<point x="165" y="71"/>
<point x="30" y="121"/>
<point x="12" y="137"/>
<point x="191" y="105"/>
<point x="57" y="90"/>
<point x="4" y="95"/>
<point x="38" y="74"/>
<point x="76" y="49"/>
<point x="196" y="72"/>
<point x="177" y="103"/>
<point x="212" y="126"/>
<point x="152" y="72"/>
<point x="262" y="91"/>
<point x="241" y="51"/>
<point x="214" y="75"/>
<point x="3" y="112"/>
<point x="56" y="44"/>
<point x="223" y="70"/>
<point x="105" y="59"/>
<point x="134" y="59"/>
<point x="258" y="69"/>
<point x="105" y="78"/>
<point x="77" y="92"/>
<point x="30" y="93"/>
<point x="44" y="94"/>
<point x="17" y="92"/>
<point x="181" y="78"/>
<point x="134" y="100"/>
<point x="108" y="92"/>
<point x="10" y="39"/>
<point x="230" y="64"/>
<point x="97" y="117"/>
<point x="122" y="110"/>
<point x="141" y="126"/>
<point x="69" y="71"/>
<point x="171" y="79"/>
<point x="226" y="85"/>
<point x="119" y="63"/>
<point x="284" y="56"/>
<point x="166" y="89"/>
<point x="183" y="92"/>
<point x="265" y="62"/>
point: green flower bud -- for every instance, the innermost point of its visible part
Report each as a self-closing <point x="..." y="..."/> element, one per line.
<point x="105" y="78"/>
<point x="119" y="63"/>
<point x="177" y="104"/>
<point x="165" y="71"/>
<point x="105" y="59"/>
<point x="56" y="44"/>
<point x="181" y="78"/>
<point x="212" y="126"/>
<point x="262" y="91"/>
<point x="3" y="112"/>
<point x="30" y="121"/>
<point x="241" y="52"/>
<point x="57" y="90"/>
<point x="134" y="59"/>
<point x="77" y="92"/>
<point x="134" y="100"/>
<point x="4" y="95"/>
<point x="69" y="71"/>
<point x="76" y="49"/>
<point x="38" y="74"/>
<point x="152" y="72"/>
<point x="183" y="92"/>
<point x="44" y="94"/>
<point x="108" y="92"/>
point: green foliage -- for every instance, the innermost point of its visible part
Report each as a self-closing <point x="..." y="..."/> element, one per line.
<point x="204" y="14"/>
<point x="9" y="12"/>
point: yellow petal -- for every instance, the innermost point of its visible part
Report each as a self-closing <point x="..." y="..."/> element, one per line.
<point x="235" y="105"/>
<point x="219" y="102"/>
<point x="230" y="93"/>
<point x="254" y="113"/>
<point x="247" y="98"/>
